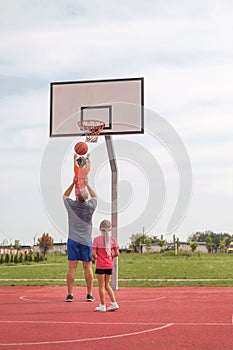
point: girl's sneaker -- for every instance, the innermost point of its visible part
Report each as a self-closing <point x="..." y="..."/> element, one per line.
<point x="101" y="308"/>
<point x="114" y="306"/>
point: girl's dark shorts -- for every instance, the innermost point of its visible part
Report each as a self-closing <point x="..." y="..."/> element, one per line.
<point x="103" y="271"/>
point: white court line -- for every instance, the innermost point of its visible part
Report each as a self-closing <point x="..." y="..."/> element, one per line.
<point x="123" y="279"/>
<point x="139" y="300"/>
<point x="88" y="339"/>
<point x="167" y="325"/>
<point x="175" y="279"/>
<point x="40" y="280"/>
<point x="15" y="266"/>
<point x="83" y="322"/>
<point x="24" y="298"/>
<point x="183" y="289"/>
<point x="198" y="324"/>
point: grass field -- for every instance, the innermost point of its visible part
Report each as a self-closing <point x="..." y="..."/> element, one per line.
<point x="134" y="270"/>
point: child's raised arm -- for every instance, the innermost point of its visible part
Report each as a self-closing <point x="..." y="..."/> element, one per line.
<point x="88" y="166"/>
<point x="75" y="159"/>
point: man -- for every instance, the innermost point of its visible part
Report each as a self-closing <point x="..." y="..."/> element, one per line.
<point x="79" y="244"/>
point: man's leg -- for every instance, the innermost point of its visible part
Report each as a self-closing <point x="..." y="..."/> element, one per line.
<point x="72" y="266"/>
<point x="87" y="266"/>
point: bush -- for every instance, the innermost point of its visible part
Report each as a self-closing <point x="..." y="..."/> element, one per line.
<point x="30" y="256"/>
<point x="2" y="259"/>
<point x="37" y="257"/>
<point x="20" y="258"/>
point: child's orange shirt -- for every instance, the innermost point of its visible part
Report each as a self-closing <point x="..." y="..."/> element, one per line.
<point x="81" y="174"/>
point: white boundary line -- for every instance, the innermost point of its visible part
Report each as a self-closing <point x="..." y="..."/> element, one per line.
<point x="89" y="339"/>
<point x="24" y="298"/>
<point x="25" y="265"/>
<point x="84" y="322"/>
<point x="200" y="324"/>
<point x="124" y="280"/>
<point x="167" y="325"/>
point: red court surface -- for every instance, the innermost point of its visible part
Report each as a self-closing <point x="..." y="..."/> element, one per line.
<point x="148" y="318"/>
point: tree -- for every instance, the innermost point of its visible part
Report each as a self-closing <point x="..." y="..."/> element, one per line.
<point x="222" y="244"/>
<point x="45" y="244"/>
<point x="17" y="244"/>
<point x="20" y="258"/>
<point x="177" y="244"/>
<point x="148" y="244"/>
<point x="216" y="237"/>
<point x="138" y="239"/>
<point x="162" y="243"/>
<point x="209" y="244"/>
<point x="193" y="246"/>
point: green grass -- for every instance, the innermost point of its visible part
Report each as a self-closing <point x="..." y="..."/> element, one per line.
<point x="139" y="270"/>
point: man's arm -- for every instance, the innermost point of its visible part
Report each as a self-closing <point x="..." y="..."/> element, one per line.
<point x="94" y="255"/>
<point x="90" y="190"/>
<point x="69" y="190"/>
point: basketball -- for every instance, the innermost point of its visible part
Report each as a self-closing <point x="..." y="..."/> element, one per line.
<point x="81" y="148"/>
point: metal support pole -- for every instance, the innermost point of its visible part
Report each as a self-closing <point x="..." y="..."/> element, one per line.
<point x="113" y="165"/>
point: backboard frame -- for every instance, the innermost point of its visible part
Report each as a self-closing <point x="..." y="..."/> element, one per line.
<point x="107" y="108"/>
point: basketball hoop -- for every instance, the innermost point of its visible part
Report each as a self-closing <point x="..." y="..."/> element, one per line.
<point x="91" y="128"/>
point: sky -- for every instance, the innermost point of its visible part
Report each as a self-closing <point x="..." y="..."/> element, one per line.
<point x="184" y="52"/>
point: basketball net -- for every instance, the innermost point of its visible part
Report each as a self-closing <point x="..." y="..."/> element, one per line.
<point x="91" y="128"/>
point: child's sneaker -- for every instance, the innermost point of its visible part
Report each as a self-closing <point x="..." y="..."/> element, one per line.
<point x="114" y="306"/>
<point x="101" y="308"/>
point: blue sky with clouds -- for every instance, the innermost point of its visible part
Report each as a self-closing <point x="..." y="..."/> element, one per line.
<point x="184" y="52"/>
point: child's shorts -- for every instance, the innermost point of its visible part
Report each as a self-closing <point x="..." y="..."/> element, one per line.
<point x="103" y="271"/>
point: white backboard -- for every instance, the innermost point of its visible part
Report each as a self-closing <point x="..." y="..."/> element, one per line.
<point x="117" y="102"/>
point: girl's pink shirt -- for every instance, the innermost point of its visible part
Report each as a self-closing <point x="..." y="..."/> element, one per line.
<point x="103" y="260"/>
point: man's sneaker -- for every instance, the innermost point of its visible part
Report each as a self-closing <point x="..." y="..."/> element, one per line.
<point x="69" y="297"/>
<point x="113" y="307"/>
<point x="100" y="308"/>
<point x="90" y="297"/>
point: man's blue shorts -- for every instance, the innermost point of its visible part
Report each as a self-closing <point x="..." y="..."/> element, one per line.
<point x="78" y="251"/>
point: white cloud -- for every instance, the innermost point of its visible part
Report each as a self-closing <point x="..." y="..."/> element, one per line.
<point x="72" y="42"/>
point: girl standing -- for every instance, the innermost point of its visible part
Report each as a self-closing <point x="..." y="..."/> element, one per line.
<point x="104" y="250"/>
